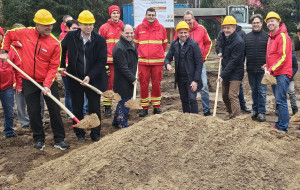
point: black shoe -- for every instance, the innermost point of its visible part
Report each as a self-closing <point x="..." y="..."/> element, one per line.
<point x="295" y="110"/>
<point x="254" y="115"/>
<point x="81" y="138"/>
<point x="143" y="112"/>
<point x="247" y="110"/>
<point x="10" y="136"/>
<point x="95" y="138"/>
<point x="107" y="111"/>
<point x="62" y="145"/>
<point x="261" y="117"/>
<point x="207" y="113"/>
<point x="25" y="126"/>
<point x="39" y="145"/>
<point x="157" y="111"/>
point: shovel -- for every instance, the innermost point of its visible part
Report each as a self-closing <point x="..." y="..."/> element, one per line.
<point x="217" y="90"/>
<point x="268" y="79"/>
<point x="109" y="93"/>
<point x="133" y="103"/>
<point x="79" y="124"/>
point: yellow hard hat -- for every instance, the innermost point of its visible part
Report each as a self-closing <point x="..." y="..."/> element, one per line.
<point x="229" y="20"/>
<point x="86" y="17"/>
<point x="43" y="17"/>
<point x="272" y="15"/>
<point x="182" y="25"/>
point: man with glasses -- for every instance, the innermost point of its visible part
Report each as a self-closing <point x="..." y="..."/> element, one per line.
<point x="151" y="41"/>
<point x="255" y="52"/>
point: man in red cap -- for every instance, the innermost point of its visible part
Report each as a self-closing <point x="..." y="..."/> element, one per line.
<point x="111" y="31"/>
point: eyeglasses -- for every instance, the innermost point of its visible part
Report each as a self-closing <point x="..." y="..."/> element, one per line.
<point x="256" y="23"/>
<point x="151" y="15"/>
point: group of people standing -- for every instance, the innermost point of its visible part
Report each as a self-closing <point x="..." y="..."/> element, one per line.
<point x="112" y="58"/>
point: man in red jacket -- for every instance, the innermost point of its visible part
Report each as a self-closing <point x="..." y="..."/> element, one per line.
<point x="151" y="40"/>
<point x="111" y="31"/>
<point x="200" y="35"/>
<point x="40" y="60"/>
<point x="6" y="89"/>
<point x="279" y="65"/>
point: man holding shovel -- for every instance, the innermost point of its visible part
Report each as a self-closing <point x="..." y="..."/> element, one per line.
<point x="87" y="56"/>
<point x="279" y="65"/>
<point x="232" y="66"/>
<point x="40" y="60"/>
<point x="125" y="57"/>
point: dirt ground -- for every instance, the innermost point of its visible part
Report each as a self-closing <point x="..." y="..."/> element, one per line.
<point x="169" y="151"/>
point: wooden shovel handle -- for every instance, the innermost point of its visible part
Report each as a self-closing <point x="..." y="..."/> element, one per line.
<point x="135" y="85"/>
<point x="42" y="88"/>
<point x="217" y="89"/>
<point x="86" y="84"/>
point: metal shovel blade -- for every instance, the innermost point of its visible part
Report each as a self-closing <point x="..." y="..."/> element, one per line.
<point x="90" y="121"/>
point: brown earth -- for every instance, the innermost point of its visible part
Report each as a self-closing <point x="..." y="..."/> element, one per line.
<point x="169" y="151"/>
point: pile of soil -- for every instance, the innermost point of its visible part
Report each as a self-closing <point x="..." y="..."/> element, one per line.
<point x="177" y="151"/>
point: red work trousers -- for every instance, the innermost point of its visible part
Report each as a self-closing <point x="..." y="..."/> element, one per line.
<point x="155" y="72"/>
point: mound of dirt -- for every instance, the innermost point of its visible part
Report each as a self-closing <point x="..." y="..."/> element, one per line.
<point x="178" y="151"/>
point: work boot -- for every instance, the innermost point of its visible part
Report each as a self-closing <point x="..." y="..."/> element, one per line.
<point x="107" y="111"/>
<point x="245" y="109"/>
<point x="207" y="113"/>
<point x="157" y="111"/>
<point x="261" y="117"/>
<point x="295" y="110"/>
<point x="143" y="112"/>
<point x="254" y="115"/>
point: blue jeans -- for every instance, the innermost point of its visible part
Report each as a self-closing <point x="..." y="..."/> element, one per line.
<point x="204" y="91"/>
<point x="7" y="100"/>
<point x="259" y="92"/>
<point x="68" y="101"/>
<point x="121" y="114"/>
<point x="241" y="97"/>
<point x="187" y="97"/>
<point x="280" y="93"/>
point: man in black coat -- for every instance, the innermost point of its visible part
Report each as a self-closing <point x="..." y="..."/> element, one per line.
<point x="219" y="43"/>
<point x="87" y="54"/>
<point x="125" y="59"/>
<point x="255" y="52"/>
<point x="232" y="66"/>
<point x="188" y="67"/>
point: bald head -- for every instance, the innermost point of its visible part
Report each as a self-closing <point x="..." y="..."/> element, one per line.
<point x="127" y="32"/>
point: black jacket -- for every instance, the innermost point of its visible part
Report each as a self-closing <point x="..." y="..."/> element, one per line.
<point x="255" y="50"/>
<point x="95" y="52"/>
<point x="125" y="59"/>
<point x="193" y="60"/>
<point x="233" y="58"/>
<point x="294" y="64"/>
<point x="221" y="38"/>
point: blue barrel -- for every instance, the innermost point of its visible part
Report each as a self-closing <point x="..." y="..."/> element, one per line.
<point x="128" y="12"/>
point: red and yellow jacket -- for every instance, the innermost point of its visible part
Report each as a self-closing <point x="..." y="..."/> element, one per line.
<point x="41" y="54"/>
<point x="151" y="41"/>
<point x="8" y="73"/>
<point x="17" y="47"/>
<point x="111" y="31"/>
<point x="200" y="35"/>
<point x="279" y="53"/>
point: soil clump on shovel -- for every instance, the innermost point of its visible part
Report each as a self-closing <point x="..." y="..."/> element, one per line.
<point x="90" y="121"/>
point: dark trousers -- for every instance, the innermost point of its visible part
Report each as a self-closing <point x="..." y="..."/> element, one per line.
<point x="230" y="93"/>
<point x="32" y="97"/>
<point x="187" y="97"/>
<point x="77" y="96"/>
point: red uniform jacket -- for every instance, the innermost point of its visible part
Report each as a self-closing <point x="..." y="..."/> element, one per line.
<point x="279" y="53"/>
<point x="41" y="54"/>
<point x="151" y="41"/>
<point x="111" y="31"/>
<point x="7" y="72"/>
<point x="200" y="35"/>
